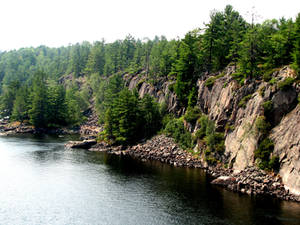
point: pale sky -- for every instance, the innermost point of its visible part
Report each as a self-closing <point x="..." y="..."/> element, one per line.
<point x="26" y="23"/>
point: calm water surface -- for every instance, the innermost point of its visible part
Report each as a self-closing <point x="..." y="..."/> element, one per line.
<point x="43" y="183"/>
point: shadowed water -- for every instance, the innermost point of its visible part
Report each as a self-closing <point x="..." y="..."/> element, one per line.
<point x="43" y="183"/>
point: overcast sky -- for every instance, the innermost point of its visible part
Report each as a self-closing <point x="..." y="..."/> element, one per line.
<point x="54" y="23"/>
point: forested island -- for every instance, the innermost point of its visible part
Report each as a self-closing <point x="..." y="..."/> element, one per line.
<point x="226" y="93"/>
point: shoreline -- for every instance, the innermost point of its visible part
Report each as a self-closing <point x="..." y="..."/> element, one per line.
<point x="7" y="129"/>
<point x="251" y="181"/>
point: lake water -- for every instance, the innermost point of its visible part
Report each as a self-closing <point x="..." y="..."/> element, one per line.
<point x="41" y="182"/>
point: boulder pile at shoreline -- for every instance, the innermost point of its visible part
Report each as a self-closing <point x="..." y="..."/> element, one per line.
<point x="251" y="181"/>
<point x="21" y="128"/>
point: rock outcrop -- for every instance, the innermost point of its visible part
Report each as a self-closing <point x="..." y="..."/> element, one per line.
<point x="160" y="91"/>
<point x="235" y="108"/>
<point x="86" y="144"/>
<point x="253" y="181"/>
<point x="223" y="103"/>
<point x="243" y="140"/>
<point x="286" y="137"/>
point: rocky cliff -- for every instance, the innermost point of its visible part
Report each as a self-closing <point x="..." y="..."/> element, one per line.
<point x="235" y="108"/>
<point x="287" y="146"/>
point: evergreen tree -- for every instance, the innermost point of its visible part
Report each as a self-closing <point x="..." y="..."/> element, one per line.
<point x="74" y="115"/>
<point x="185" y="68"/>
<point x="38" y="113"/>
<point x="151" y="116"/>
<point x="127" y="111"/>
<point x="21" y="105"/>
<point x="8" y="97"/>
<point x="249" y="53"/>
<point x="96" y="59"/>
<point x="296" y="52"/>
<point x="57" y="108"/>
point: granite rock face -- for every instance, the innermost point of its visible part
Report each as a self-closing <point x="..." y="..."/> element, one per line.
<point x="286" y="137"/>
<point x="243" y="140"/>
<point x="235" y="107"/>
<point x="160" y="91"/>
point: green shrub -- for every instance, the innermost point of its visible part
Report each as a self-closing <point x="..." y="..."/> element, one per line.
<point x="220" y="142"/>
<point x="273" y="81"/>
<point x="192" y="115"/>
<point x="229" y="127"/>
<point x="263" y="153"/>
<point x="286" y="84"/>
<point x="214" y="140"/>
<point x="274" y="163"/>
<point x="210" y="82"/>
<point x="244" y="101"/>
<point x="171" y="87"/>
<point x="264" y="149"/>
<point x="268" y="108"/>
<point x="166" y="119"/>
<point x="192" y="98"/>
<point x="261" y="124"/>
<point x="239" y="77"/>
<point x="175" y="129"/>
<point x="211" y="160"/>
<point x="201" y="132"/>
<point x="267" y="76"/>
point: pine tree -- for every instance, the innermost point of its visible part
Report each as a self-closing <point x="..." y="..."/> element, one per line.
<point x="21" y="105"/>
<point x="127" y="112"/>
<point x="57" y="107"/>
<point x="8" y="97"/>
<point x="150" y="115"/>
<point x="296" y="52"/>
<point x="74" y="115"/>
<point x="39" y="108"/>
<point x="185" y="68"/>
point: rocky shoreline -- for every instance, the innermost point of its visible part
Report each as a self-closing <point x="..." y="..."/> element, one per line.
<point x="251" y="181"/>
<point x="7" y="129"/>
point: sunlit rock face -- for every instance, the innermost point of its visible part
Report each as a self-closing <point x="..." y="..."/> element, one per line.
<point x="221" y="102"/>
<point x="287" y="146"/>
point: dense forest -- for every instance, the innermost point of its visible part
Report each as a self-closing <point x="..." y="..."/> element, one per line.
<point x="34" y="86"/>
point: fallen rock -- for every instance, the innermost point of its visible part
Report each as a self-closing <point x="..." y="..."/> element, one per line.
<point x="86" y="144"/>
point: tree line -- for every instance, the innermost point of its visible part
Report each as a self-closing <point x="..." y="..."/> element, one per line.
<point x="42" y="102"/>
<point x="254" y="49"/>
